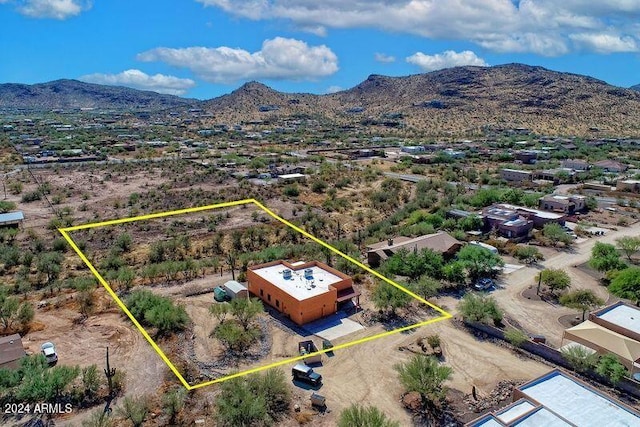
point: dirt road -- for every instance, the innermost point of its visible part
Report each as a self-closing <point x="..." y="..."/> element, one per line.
<point x="542" y="317"/>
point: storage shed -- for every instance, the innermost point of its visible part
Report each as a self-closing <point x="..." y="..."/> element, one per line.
<point x="235" y="289"/>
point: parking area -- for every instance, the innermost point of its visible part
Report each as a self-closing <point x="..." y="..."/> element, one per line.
<point x="333" y="327"/>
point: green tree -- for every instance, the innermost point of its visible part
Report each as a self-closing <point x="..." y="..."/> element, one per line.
<point x="12" y="310"/>
<point x="454" y="272"/>
<point x="528" y="254"/>
<point x="361" y="416"/>
<point x="219" y="311"/>
<point x="626" y="284"/>
<point x="610" y="367"/>
<point x="480" y="308"/>
<point x="159" y="312"/>
<point x="50" y="264"/>
<point x="479" y="261"/>
<point x="554" y="232"/>
<point x="605" y="257"/>
<point x="387" y="297"/>
<point x="274" y="387"/>
<point x="424" y="375"/>
<point x="581" y="299"/>
<point x="628" y="245"/>
<point x="554" y="279"/>
<point x="237" y="405"/>
<point x="580" y="358"/>
<point x="426" y="287"/>
<point x="245" y="310"/>
<point x="134" y="410"/>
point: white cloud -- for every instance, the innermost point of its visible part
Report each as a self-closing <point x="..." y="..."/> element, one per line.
<point x="139" y="80"/>
<point x="55" y="9"/>
<point x="334" y="89"/>
<point x="279" y="58"/>
<point x="545" y="27"/>
<point x="446" y="59"/>
<point x="384" y="58"/>
<point x="605" y="43"/>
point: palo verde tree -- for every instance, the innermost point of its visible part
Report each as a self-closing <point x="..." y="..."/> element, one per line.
<point x="605" y="257"/>
<point x="626" y="284"/>
<point x="554" y="279"/>
<point x="387" y="298"/>
<point x="479" y="261"/>
<point x="610" y="367"/>
<point x="480" y="308"/>
<point x="581" y="299"/>
<point x="628" y="245"/>
<point x="424" y="375"/>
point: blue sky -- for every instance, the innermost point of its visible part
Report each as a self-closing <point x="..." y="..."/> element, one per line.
<point x="205" y="48"/>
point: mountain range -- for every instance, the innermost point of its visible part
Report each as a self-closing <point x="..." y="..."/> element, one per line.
<point x="458" y="100"/>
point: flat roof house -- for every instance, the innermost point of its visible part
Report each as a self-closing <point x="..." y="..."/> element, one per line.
<point x="558" y="399"/>
<point x="515" y="175"/>
<point x="302" y="291"/>
<point x="11" y="351"/>
<point x="559" y="203"/>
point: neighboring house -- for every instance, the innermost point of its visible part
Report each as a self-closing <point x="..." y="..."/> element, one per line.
<point x="628" y="185"/>
<point x="539" y="218"/>
<point x="611" y="166"/>
<point x="414" y="149"/>
<point x="527" y="157"/>
<point x="575" y="164"/>
<point x="565" y="204"/>
<point x="441" y="243"/>
<point x="302" y="291"/>
<point x="11" y="351"/>
<point x="555" y="175"/>
<point x="506" y="221"/>
<point x="292" y="177"/>
<point x="11" y="219"/>
<point x="558" y="399"/>
<point x="516" y="175"/>
<point x="613" y="329"/>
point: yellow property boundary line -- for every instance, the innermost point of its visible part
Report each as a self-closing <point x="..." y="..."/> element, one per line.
<point x="65" y="233"/>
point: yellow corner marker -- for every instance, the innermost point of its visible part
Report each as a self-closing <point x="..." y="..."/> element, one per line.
<point x="65" y="233"/>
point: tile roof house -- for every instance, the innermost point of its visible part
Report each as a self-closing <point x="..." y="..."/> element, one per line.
<point x="11" y="351"/>
<point x="441" y="243"/>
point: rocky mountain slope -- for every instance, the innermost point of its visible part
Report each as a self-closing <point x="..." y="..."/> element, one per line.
<point x="75" y="94"/>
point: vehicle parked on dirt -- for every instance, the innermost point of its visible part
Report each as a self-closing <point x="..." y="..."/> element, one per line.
<point x="49" y="352"/>
<point x="302" y="372"/>
<point x="483" y="284"/>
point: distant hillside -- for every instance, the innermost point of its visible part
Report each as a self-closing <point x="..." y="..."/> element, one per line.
<point x="76" y="94"/>
<point x="455" y="101"/>
<point x="635" y="87"/>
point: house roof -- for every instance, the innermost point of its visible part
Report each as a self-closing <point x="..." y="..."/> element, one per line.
<point x="590" y="332"/>
<point x="622" y="315"/>
<point x="11" y="349"/>
<point x="11" y="217"/>
<point x="438" y="242"/>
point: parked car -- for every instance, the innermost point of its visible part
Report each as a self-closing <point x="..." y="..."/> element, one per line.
<point x="302" y="372"/>
<point x="49" y="352"/>
<point x="483" y="284"/>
